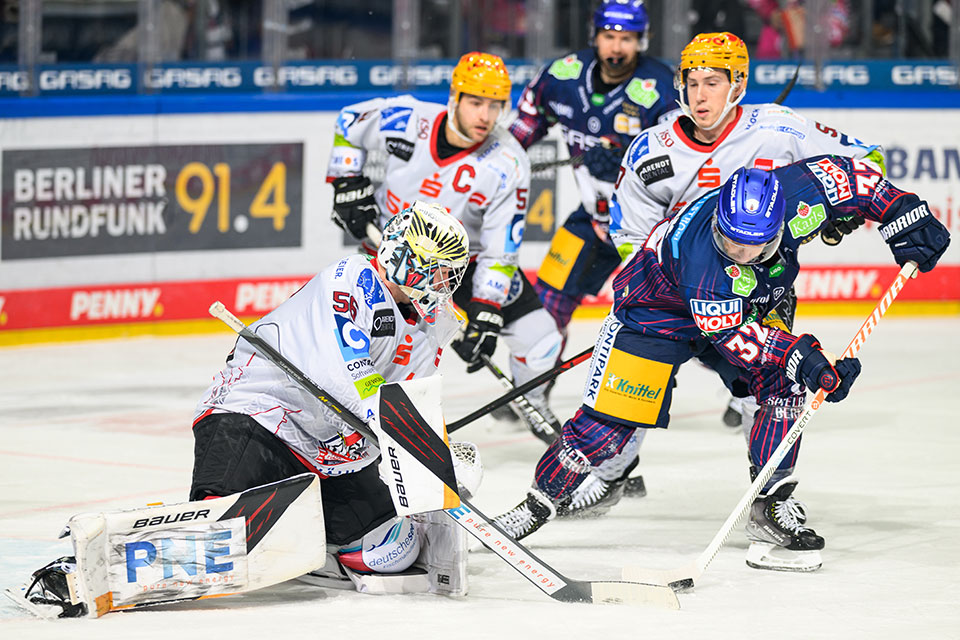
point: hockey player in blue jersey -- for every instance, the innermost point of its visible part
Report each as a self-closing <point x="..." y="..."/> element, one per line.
<point x="698" y="288"/>
<point x="601" y="98"/>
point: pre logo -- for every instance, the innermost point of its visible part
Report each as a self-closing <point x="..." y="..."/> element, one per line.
<point x="189" y="560"/>
<point x="717" y="315"/>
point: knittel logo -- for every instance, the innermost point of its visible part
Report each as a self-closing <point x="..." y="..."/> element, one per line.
<point x="623" y="386"/>
<point x="716" y="315"/>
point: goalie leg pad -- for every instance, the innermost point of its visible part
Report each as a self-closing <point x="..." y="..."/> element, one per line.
<point x="443" y="553"/>
<point x="194" y="550"/>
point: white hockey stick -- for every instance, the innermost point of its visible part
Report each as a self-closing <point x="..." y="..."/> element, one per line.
<point x="481" y="527"/>
<point x="684" y="577"/>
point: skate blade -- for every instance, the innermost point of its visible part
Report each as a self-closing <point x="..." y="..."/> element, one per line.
<point x="766" y="555"/>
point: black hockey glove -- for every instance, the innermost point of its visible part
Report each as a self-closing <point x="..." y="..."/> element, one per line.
<point x="916" y="235"/>
<point x="603" y="160"/>
<point x="353" y="205"/>
<point x="834" y="230"/>
<point x="807" y="365"/>
<point x="480" y="336"/>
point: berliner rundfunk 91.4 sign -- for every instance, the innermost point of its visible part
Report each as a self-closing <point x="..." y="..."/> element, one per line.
<point x="113" y="200"/>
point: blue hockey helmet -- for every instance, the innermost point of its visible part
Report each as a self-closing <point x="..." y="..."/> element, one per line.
<point x="748" y="222"/>
<point x="622" y="15"/>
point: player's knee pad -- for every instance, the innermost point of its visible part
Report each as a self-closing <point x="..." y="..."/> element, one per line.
<point x="390" y="548"/>
<point x="534" y="341"/>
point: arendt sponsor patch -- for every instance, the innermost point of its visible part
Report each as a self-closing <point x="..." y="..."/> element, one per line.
<point x="835" y="181"/>
<point x="717" y="315"/>
<point x="655" y="169"/>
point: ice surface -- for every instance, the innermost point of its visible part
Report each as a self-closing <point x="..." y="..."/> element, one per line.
<point x="104" y="425"/>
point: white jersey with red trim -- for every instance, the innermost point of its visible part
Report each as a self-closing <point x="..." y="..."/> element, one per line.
<point x="344" y="330"/>
<point x="663" y="169"/>
<point x="485" y="186"/>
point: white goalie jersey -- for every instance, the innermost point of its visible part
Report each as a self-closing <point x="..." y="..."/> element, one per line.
<point x="664" y="169"/>
<point x="485" y="186"/>
<point x="344" y="330"/>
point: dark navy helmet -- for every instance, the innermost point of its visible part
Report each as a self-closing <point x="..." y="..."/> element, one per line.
<point x="621" y="15"/>
<point x="750" y="213"/>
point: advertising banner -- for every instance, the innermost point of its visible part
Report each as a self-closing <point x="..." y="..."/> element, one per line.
<point x="111" y="200"/>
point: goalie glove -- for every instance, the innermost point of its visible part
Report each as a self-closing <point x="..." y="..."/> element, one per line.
<point x="480" y="336"/>
<point x="834" y="230"/>
<point x="353" y="205"/>
<point x="806" y="364"/>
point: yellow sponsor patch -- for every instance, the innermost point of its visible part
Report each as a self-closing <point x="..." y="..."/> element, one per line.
<point x="560" y="259"/>
<point x="633" y="388"/>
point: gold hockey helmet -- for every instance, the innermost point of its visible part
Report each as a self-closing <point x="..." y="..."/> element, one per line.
<point x="481" y="74"/>
<point x="716" y="51"/>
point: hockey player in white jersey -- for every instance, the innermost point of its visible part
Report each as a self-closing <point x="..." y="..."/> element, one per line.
<point x="457" y="155"/>
<point x="675" y="162"/>
<point x="357" y="324"/>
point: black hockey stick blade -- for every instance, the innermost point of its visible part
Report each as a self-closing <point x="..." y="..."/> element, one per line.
<point x="543" y="429"/>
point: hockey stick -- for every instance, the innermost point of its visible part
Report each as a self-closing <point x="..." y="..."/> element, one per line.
<point x="787" y="89"/>
<point x="546" y="431"/>
<point x="684" y="577"/>
<point x="535" y="570"/>
<point x="546" y="376"/>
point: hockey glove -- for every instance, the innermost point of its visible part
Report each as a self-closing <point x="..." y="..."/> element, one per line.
<point x="353" y="205"/>
<point x="603" y="160"/>
<point x="916" y="235"/>
<point x="480" y="336"/>
<point x="834" y="230"/>
<point x="807" y="365"/>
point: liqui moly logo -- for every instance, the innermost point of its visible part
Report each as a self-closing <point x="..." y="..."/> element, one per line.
<point x="717" y="315"/>
<point x="835" y="181"/>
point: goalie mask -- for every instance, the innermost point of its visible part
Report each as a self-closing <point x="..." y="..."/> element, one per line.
<point x="748" y="223"/>
<point x="714" y="51"/>
<point x="478" y="74"/>
<point x="425" y="252"/>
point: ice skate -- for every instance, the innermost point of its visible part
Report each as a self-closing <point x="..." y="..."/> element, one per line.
<point x="528" y="516"/>
<point x="593" y="497"/>
<point x="779" y="539"/>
